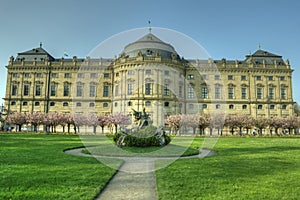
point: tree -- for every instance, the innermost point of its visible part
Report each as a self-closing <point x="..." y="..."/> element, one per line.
<point x="191" y="120"/>
<point x="261" y="123"/>
<point x="35" y="119"/>
<point x="17" y="118"/>
<point x="70" y="121"/>
<point x="102" y="121"/>
<point x="79" y="120"/>
<point x="243" y="121"/>
<point x="276" y="123"/>
<point x="291" y="123"/>
<point x="51" y="120"/>
<point x="118" y="119"/>
<point x="204" y="121"/>
<point x="92" y="120"/>
<point x="217" y="122"/>
<point x="231" y="122"/>
<point x="174" y="122"/>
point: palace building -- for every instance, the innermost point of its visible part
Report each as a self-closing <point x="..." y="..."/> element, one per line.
<point x="149" y="74"/>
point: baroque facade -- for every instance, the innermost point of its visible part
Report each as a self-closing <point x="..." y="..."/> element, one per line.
<point x="149" y="74"/>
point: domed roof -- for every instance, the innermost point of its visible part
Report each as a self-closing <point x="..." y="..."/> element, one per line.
<point x="149" y="45"/>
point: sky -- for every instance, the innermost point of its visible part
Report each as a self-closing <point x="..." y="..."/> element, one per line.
<point x="224" y="28"/>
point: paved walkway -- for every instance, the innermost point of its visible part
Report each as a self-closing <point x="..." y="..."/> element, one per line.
<point x="135" y="179"/>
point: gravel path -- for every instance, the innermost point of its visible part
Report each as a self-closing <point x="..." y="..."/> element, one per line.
<point x="135" y="179"/>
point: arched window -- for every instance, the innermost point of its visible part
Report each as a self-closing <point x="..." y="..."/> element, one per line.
<point x="105" y="105"/>
<point x="52" y="103"/>
<point x="65" y="104"/>
<point x="148" y="103"/>
<point x="231" y="106"/>
<point x="244" y="107"/>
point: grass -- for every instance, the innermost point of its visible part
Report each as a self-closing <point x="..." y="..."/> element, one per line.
<point x="35" y="167"/>
<point x="245" y="168"/>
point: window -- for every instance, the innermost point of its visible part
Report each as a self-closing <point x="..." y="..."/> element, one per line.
<point x="259" y="93"/>
<point x="105" y="105"/>
<point x="230" y="77"/>
<point x="148" y="103"/>
<point x="282" y="78"/>
<point x="217" y="92"/>
<point x="116" y="104"/>
<point x="148" y="88"/>
<point x="38" y="90"/>
<point x="67" y="75"/>
<point x="166" y="104"/>
<point x="105" y="90"/>
<point x="204" y="77"/>
<point x="190" y="76"/>
<point x="13" y="103"/>
<point x="53" y="90"/>
<point x="14" y="91"/>
<point x="204" y="92"/>
<point x="180" y="91"/>
<point x="271" y="93"/>
<point x="218" y="106"/>
<point x="94" y="75"/>
<point x="25" y="103"/>
<point x="244" y="107"/>
<point x="130" y="89"/>
<point x="258" y="78"/>
<point x="167" y="72"/>
<point x="66" y="90"/>
<point x="15" y="75"/>
<point x="54" y="75"/>
<point x="106" y="75"/>
<point x="166" y="89"/>
<point x="80" y="75"/>
<point x="230" y="93"/>
<point x="78" y="104"/>
<point x="129" y="103"/>
<point x="92" y="104"/>
<point x="117" y="74"/>
<point x="130" y="72"/>
<point x="231" y="106"/>
<point x="92" y="90"/>
<point x="272" y="107"/>
<point x="283" y="93"/>
<point x="190" y="92"/>
<point x="117" y="90"/>
<point x="191" y="106"/>
<point x="283" y="107"/>
<point x="259" y="107"/>
<point x="52" y="103"/>
<point x="244" y="92"/>
<point x="204" y="106"/>
<point x="243" y="78"/>
<point x="37" y="103"/>
<point x="65" y="104"/>
<point x="39" y="75"/>
<point x="79" y="90"/>
<point x="148" y="71"/>
<point x="270" y="78"/>
<point x="26" y="90"/>
<point x="217" y="77"/>
<point x="27" y="75"/>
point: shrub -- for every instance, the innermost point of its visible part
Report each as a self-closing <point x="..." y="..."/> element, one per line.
<point x="142" y="138"/>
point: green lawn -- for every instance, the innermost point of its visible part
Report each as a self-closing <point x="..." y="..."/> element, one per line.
<point x="35" y="167"/>
<point x="245" y="168"/>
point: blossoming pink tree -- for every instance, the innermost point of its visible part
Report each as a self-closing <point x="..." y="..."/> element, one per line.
<point x="92" y="120"/>
<point x="275" y="123"/>
<point x="174" y="122"/>
<point x="102" y="121"/>
<point x="118" y="119"/>
<point x="35" y="119"/>
<point x="17" y="118"/>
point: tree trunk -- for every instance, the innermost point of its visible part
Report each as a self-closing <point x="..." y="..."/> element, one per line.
<point x="94" y="129"/>
<point x="102" y="127"/>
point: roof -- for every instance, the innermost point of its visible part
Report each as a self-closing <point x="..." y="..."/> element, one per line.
<point x="149" y="45"/>
<point x="261" y="56"/>
<point x="37" y="54"/>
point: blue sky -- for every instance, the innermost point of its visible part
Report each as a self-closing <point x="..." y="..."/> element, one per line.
<point x="225" y="28"/>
